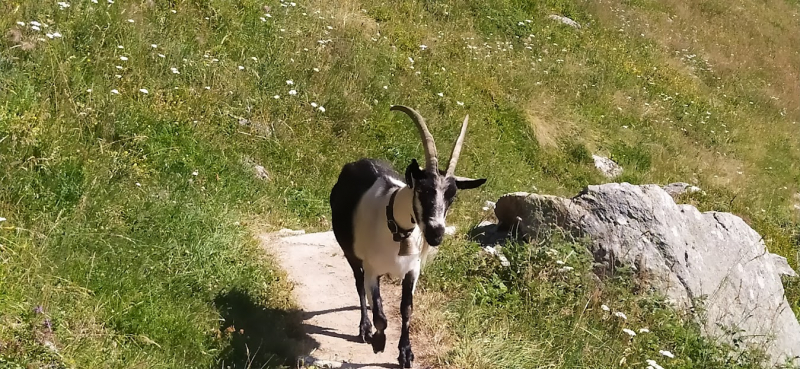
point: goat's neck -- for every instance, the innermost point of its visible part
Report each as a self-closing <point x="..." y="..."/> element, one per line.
<point x="404" y="208"/>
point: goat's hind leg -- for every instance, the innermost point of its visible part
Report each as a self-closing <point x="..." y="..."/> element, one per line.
<point x="364" y="327"/>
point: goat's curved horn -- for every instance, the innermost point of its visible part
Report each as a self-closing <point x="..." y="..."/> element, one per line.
<point x="431" y="157"/>
<point x="451" y="168"/>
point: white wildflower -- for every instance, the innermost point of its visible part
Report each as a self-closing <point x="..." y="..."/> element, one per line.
<point x="241" y="67"/>
<point x="313" y="104"/>
<point x="411" y="60"/>
<point x="118" y="75"/>
<point x="423" y="47"/>
<point x="138" y="184"/>
<point x="207" y="87"/>
<point x="644" y="330"/>
<point x="89" y="90"/>
<point x="605" y="307"/>
<point x="667" y="354"/>
<point x="153" y="46"/>
<point x="620" y="315"/>
<point x="3" y="219"/>
<point x="276" y="97"/>
<point x="263" y="19"/>
<point x="94" y="1"/>
<point x="173" y="11"/>
<point x="460" y="103"/>
<point x="36" y="28"/>
<point x="292" y="92"/>
<point x="289" y="82"/>
<point x="441" y="94"/>
<point x="120" y="47"/>
<point x="110" y="1"/>
<point x="321" y="109"/>
<point x="161" y="56"/>
<point x="174" y="70"/>
<point x="629" y="332"/>
<point x="268" y="15"/>
<point x="316" y="69"/>
<point x="143" y="90"/>
<point x="254" y="58"/>
<point x="57" y="34"/>
<point x="194" y="173"/>
<point x="118" y="67"/>
<point x="49" y="35"/>
<point x="35" y="23"/>
<point x="329" y="27"/>
<point x="115" y="91"/>
<point x="63" y="5"/>
<point x="565" y="269"/>
<point x="654" y="364"/>
<point x="560" y="262"/>
<point x="385" y="87"/>
<point x="123" y="58"/>
<point x="131" y="21"/>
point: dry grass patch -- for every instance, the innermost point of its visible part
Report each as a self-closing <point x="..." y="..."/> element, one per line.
<point x="548" y="128"/>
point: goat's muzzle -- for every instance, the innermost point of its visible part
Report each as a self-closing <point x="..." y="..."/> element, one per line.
<point x="434" y="235"/>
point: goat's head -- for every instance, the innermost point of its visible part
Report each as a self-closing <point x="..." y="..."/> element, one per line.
<point x="434" y="190"/>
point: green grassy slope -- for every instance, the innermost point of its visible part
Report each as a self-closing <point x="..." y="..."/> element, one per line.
<point x="129" y="215"/>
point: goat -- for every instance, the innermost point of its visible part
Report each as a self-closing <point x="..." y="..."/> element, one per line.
<point x="386" y="225"/>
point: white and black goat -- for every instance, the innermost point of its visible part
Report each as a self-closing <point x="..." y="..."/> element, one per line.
<point x="385" y="226"/>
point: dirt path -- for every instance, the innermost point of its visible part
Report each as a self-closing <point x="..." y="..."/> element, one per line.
<point x="325" y="290"/>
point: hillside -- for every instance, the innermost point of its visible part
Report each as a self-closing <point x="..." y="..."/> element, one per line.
<point x="129" y="131"/>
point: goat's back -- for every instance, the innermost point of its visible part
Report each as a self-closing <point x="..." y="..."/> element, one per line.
<point x="354" y="181"/>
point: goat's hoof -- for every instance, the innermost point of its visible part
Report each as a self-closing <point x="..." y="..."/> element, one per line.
<point x="365" y="334"/>
<point x="378" y="342"/>
<point x="406" y="357"/>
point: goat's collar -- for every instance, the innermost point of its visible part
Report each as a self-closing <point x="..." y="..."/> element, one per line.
<point x="398" y="234"/>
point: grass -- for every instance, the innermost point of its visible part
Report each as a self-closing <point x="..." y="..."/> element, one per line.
<point x="548" y="309"/>
<point x="130" y="216"/>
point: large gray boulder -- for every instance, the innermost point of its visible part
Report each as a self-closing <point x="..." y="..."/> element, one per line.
<point x="711" y="260"/>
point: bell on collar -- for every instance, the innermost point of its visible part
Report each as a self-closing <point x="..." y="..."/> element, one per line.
<point x="408" y="248"/>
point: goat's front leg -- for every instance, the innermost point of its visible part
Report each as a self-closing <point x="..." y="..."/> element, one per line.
<point x="373" y="283"/>
<point x="406" y="309"/>
<point x="364" y="326"/>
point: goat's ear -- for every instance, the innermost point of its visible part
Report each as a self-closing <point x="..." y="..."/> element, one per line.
<point x="413" y="172"/>
<point x="463" y="183"/>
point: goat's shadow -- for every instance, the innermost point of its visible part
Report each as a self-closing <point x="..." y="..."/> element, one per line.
<point x="260" y="337"/>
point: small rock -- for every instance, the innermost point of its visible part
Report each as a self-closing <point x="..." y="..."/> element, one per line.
<point x="260" y="172"/>
<point x="51" y="346"/>
<point x="607" y="166"/>
<point x="311" y="362"/>
<point x="796" y="198"/>
<point x="680" y="188"/>
<point x="286" y="232"/>
<point x="565" y="20"/>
